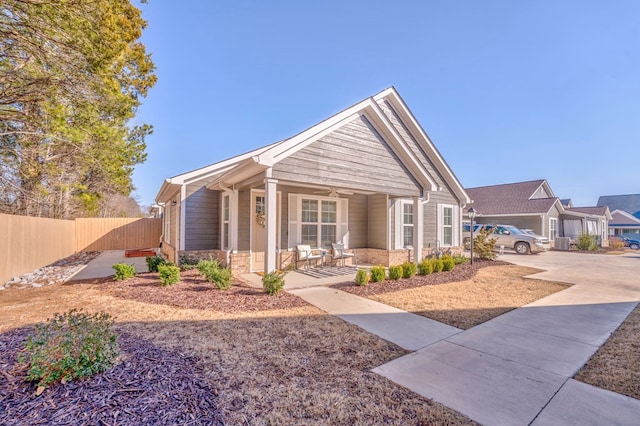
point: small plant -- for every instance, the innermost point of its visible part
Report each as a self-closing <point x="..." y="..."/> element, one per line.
<point x="447" y="262"/>
<point x="124" y="271"/>
<point x="188" y="262"/>
<point x="587" y="242"/>
<point x="395" y="272"/>
<point x="154" y="261"/>
<point x="616" y="244"/>
<point x="168" y="274"/>
<point x="214" y="273"/>
<point x="459" y="259"/>
<point x="484" y="246"/>
<point x="425" y="267"/>
<point x="378" y="273"/>
<point x="438" y="265"/>
<point x="273" y="282"/>
<point x="362" y="277"/>
<point x="409" y="269"/>
<point x="70" y="346"/>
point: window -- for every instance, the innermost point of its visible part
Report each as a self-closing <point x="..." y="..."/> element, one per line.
<point x="447" y="226"/>
<point x="226" y="212"/>
<point x="448" y="229"/>
<point x="407" y="224"/>
<point x="319" y="219"/>
<point x="167" y="222"/>
<point x="553" y="228"/>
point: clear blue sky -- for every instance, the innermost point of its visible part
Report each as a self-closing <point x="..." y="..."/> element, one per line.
<point x="508" y="91"/>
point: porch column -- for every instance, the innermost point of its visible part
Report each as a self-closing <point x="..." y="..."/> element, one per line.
<point x="233" y="219"/>
<point x="271" y="225"/>
<point x="418" y="228"/>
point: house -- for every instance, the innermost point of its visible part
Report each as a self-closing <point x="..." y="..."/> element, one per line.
<point x="368" y="177"/>
<point x="625" y="213"/>
<point x="532" y="205"/>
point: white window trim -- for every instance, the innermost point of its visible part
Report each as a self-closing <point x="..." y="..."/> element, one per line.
<point x="555" y="228"/>
<point x="319" y="223"/>
<point x="399" y="222"/>
<point x="224" y="221"/>
<point x="455" y="225"/>
<point x="295" y="218"/>
<point x="167" y="222"/>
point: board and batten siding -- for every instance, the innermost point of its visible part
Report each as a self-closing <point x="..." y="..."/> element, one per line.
<point x="202" y="224"/>
<point x="353" y="156"/>
<point x="431" y="215"/>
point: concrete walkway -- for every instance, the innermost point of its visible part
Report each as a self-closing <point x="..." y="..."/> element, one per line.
<point x="102" y="266"/>
<point x="516" y="369"/>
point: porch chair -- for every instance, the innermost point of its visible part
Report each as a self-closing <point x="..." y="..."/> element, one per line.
<point x="306" y="253"/>
<point x="340" y="253"/>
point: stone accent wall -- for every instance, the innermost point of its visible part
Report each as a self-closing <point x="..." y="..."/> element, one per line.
<point x="240" y="263"/>
<point x="169" y="252"/>
<point x="219" y="255"/>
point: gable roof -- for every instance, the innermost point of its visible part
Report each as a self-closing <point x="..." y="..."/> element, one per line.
<point x="597" y="210"/>
<point x="512" y="198"/>
<point x="629" y="203"/>
<point x="239" y="168"/>
<point x="623" y="218"/>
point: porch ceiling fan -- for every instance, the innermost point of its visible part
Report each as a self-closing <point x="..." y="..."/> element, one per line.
<point x="334" y="192"/>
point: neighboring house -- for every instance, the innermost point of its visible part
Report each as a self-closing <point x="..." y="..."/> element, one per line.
<point x="368" y="177"/>
<point x="532" y="205"/>
<point x="625" y="212"/>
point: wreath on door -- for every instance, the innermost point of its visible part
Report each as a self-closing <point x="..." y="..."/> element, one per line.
<point x="261" y="218"/>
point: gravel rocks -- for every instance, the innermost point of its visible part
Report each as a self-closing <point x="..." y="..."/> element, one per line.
<point x="58" y="272"/>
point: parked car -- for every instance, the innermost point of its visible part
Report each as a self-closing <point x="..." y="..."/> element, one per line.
<point x="628" y="242"/>
<point x="511" y="238"/>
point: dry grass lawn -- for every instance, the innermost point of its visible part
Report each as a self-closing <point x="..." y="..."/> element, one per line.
<point x="493" y="291"/>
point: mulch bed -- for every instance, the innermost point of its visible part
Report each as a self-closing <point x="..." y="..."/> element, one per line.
<point x="461" y="272"/>
<point x="148" y="386"/>
<point x="194" y="292"/>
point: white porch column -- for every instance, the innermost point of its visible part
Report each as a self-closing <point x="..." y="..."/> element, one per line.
<point x="233" y="220"/>
<point x="271" y="228"/>
<point x="418" y="228"/>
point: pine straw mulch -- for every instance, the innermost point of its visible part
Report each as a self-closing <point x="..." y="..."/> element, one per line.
<point x="194" y="292"/>
<point x="616" y="365"/>
<point x="462" y="272"/>
<point x="148" y="385"/>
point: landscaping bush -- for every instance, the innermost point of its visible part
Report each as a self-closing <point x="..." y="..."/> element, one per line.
<point x="437" y="265"/>
<point x="154" y="261"/>
<point x="168" y="274"/>
<point x="408" y="269"/>
<point x="124" y="271"/>
<point x="587" y="242"/>
<point x="447" y="262"/>
<point x="395" y="272"/>
<point x="459" y="259"/>
<point x="214" y="273"/>
<point x="378" y="273"/>
<point x="616" y="244"/>
<point x="425" y="267"/>
<point x="483" y="245"/>
<point x="70" y="346"/>
<point x="273" y="282"/>
<point x="362" y="277"/>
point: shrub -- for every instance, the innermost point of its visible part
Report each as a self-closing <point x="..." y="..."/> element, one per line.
<point x="362" y="277"/>
<point x="425" y="267"/>
<point x="214" y="273"/>
<point x="70" y="346"/>
<point x="395" y="272"/>
<point x="587" y="242"/>
<point x="459" y="259"/>
<point x="154" y="261"/>
<point x="378" y="273"/>
<point x="616" y="244"/>
<point x="447" y="262"/>
<point x="409" y="269"/>
<point x="169" y="274"/>
<point x="188" y="262"/>
<point x="273" y="282"/>
<point x="483" y="245"/>
<point x="437" y="265"/>
<point x="124" y="271"/>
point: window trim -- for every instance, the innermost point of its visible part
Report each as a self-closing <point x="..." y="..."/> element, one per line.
<point x="455" y="225"/>
<point x="226" y="209"/>
<point x="553" y="220"/>
<point x="319" y="223"/>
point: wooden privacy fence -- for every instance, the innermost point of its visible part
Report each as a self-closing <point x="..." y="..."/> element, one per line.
<point x="28" y="243"/>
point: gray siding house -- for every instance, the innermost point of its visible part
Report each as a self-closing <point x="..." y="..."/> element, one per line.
<point x="368" y="177"/>
<point x="532" y="205"/>
<point x="625" y="212"/>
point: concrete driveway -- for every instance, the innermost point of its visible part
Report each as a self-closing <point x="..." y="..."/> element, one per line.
<point x="516" y="369"/>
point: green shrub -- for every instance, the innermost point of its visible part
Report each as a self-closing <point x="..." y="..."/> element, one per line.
<point x="408" y="269"/>
<point x="124" y="271"/>
<point x="425" y="267"/>
<point x="273" y="282"/>
<point x="70" y="346"/>
<point x="378" y="273"/>
<point x="395" y="272"/>
<point x="447" y="263"/>
<point x="484" y="245"/>
<point x="214" y="273"/>
<point x="169" y="274"/>
<point x="437" y="265"/>
<point x="586" y="242"/>
<point x="459" y="259"/>
<point x="188" y="262"/>
<point x="362" y="277"/>
<point x="154" y="261"/>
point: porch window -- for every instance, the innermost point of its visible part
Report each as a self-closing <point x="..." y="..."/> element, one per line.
<point x="553" y="228"/>
<point x="226" y="210"/>
<point x="447" y="226"/>
<point x="319" y="220"/>
<point x="407" y="224"/>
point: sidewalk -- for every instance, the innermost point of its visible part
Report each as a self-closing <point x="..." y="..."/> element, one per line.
<point x="102" y="266"/>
